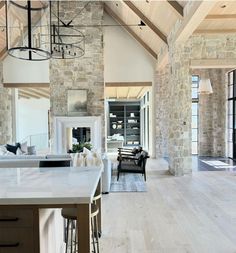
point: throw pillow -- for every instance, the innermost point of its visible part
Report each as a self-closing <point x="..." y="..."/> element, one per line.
<point x="89" y="160"/>
<point x="11" y="148"/>
<point x="23" y="147"/>
<point x="31" y="150"/>
<point x="97" y="160"/>
<point x="10" y="153"/>
<point x="80" y="160"/>
<point x="74" y="159"/>
<point x="19" y="151"/>
<point x="3" y="150"/>
<point x="86" y="151"/>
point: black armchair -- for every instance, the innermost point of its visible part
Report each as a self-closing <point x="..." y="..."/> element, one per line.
<point x="132" y="161"/>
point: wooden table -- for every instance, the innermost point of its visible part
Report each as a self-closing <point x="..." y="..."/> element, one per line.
<point x="23" y="191"/>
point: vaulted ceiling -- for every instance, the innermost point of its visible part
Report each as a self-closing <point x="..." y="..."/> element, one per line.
<point x="160" y="17"/>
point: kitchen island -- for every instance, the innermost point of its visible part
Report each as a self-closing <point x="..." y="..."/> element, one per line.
<point x="24" y="191"/>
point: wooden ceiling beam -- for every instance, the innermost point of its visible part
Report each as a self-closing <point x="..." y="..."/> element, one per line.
<point x="110" y="12"/>
<point x="26" y="85"/>
<point x="222" y="16"/>
<point x="128" y="93"/>
<point x="213" y="63"/>
<point x="3" y="53"/>
<point x="196" y="15"/>
<point x="29" y="94"/>
<point x="147" y="21"/>
<point x="140" y="92"/>
<point x="128" y="84"/>
<point x="37" y="92"/>
<point x="2" y="3"/>
<point x="22" y="95"/>
<point x="177" y="7"/>
<point x="214" y="31"/>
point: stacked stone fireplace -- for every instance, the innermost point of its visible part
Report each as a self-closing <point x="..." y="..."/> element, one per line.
<point x="84" y="73"/>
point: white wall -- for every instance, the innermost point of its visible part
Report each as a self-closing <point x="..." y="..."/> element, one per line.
<point x="22" y="71"/>
<point x="125" y="60"/>
<point x="32" y="117"/>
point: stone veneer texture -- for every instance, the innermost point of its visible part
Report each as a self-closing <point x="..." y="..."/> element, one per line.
<point x="162" y="119"/>
<point x="86" y="72"/>
<point x="212" y="114"/>
<point x="5" y="112"/>
<point x="174" y="137"/>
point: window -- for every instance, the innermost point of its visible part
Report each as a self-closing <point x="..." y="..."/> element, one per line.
<point x="231" y="114"/>
<point x="195" y="84"/>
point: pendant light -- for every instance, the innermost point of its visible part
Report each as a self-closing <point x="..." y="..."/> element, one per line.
<point x="205" y="86"/>
<point x="28" y="30"/>
<point x="68" y="42"/>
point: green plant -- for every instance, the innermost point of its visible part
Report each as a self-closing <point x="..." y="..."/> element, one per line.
<point x="77" y="148"/>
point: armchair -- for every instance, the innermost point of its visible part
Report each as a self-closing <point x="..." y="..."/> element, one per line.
<point x="132" y="161"/>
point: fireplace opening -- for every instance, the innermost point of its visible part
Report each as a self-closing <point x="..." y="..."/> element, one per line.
<point x="77" y="138"/>
<point x="81" y="135"/>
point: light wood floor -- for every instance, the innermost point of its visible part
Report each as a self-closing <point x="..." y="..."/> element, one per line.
<point x="177" y="215"/>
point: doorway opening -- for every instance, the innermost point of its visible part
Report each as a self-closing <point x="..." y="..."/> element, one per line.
<point x="129" y="115"/>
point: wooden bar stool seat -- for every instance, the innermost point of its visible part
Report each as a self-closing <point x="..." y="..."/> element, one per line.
<point x="70" y="214"/>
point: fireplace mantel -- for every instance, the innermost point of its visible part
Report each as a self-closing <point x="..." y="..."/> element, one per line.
<point x="62" y="123"/>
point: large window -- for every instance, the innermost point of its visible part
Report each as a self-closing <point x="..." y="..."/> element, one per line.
<point x="195" y="84"/>
<point x="232" y="114"/>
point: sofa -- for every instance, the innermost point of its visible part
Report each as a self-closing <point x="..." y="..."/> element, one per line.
<point x="19" y="161"/>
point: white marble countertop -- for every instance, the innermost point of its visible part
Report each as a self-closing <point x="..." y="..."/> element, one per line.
<point x="42" y="186"/>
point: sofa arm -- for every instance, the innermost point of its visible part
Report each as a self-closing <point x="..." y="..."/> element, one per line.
<point x="106" y="176"/>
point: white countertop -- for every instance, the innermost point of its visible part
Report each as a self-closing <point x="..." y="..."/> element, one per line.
<point x="42" y="186"/>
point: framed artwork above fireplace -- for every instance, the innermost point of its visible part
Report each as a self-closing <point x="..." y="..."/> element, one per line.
<point x="77" y="102"/>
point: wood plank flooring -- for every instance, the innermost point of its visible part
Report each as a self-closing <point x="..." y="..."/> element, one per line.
<point x="194" y="214"/>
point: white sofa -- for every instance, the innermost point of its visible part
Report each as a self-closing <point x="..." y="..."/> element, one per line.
<point x="19" y="161"/>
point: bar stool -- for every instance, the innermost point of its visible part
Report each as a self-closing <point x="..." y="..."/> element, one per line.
<point x="70" y="214"/>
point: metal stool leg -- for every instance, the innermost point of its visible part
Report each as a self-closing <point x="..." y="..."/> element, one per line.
<point x="97" y="233"/>
<point x="67" y="234"/>
<point x="92" y="227"/>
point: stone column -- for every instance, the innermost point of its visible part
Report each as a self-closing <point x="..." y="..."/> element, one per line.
<point x="5" y="112"/>
<point x="179" y="123"/>
<point x="162" y="110"/>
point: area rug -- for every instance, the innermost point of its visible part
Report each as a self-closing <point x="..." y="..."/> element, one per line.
<point x="128" y="182"/>
<point x="218" y="164"/>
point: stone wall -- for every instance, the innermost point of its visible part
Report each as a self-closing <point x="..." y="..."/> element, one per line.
<point x="162" y="118"/>
<point x="179" y="136"/>
<point x="85" y="72"/>
<point x="177" y="113"/>
<point x="5" y="112"/>
<point x="212" y="114"/>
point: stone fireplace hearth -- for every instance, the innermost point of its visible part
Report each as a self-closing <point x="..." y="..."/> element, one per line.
<point x="62" y="140"/>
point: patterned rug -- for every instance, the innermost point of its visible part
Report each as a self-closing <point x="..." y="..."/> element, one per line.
<point x="128" y="182"/>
